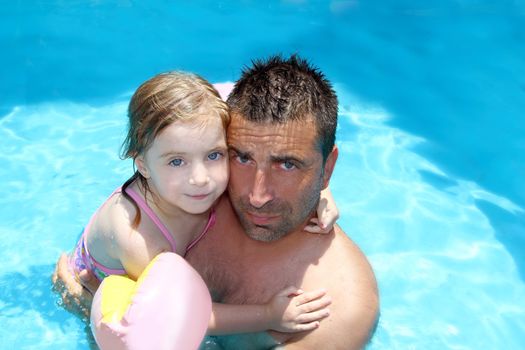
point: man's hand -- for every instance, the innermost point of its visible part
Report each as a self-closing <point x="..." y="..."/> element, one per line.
<point x="75" y="297"/>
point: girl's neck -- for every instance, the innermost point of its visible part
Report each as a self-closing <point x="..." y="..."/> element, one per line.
<point x="176" y="220"/>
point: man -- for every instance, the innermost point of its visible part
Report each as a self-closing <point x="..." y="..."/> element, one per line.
<point x="282" y="154"/>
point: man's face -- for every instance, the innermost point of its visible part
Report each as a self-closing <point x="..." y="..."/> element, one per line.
<point x="276" y="174"/>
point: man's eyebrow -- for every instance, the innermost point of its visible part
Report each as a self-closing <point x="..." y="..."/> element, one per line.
<point x="274" y="158"/>
<point x="238" y="151"/>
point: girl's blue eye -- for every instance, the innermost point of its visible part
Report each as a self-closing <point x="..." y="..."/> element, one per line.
<point x="214" y="155"/>
<point x="176" y="162"/>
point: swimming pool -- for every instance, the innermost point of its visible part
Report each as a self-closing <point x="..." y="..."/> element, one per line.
<point x="431" y="135"/>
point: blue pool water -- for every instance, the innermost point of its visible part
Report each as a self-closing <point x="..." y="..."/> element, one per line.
<point x="431" y="133"/>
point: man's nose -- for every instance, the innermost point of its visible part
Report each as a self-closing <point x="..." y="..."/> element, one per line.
<point x="199" y="175"/>
<point x="261" y="192"/>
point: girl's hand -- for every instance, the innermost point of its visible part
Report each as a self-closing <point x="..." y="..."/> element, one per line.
<point x="293" y="310"/>
<point x="327" y="214"/>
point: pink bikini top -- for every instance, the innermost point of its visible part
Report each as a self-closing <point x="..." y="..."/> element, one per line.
<point x="103" y="270"/>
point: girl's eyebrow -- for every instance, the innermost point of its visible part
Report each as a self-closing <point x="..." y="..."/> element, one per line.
<point x="170" y="154"/>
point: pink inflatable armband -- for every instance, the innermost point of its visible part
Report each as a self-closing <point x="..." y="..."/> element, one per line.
<point x="167" y="308"/>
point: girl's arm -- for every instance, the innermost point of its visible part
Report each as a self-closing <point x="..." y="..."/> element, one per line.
<point x="327" y="214"/>
<point x="290" y="310"/>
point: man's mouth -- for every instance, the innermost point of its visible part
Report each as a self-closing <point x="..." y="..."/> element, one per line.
<point x="262" y="219"/>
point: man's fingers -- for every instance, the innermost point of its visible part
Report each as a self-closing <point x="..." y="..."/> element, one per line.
<point x="89" y="281"/>
<point x="63" y="279"/>
<point x="74" y="297"/>
<point x="61" y="267"/>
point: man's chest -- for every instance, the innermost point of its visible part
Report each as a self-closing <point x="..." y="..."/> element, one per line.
<point x="243" y="275"/>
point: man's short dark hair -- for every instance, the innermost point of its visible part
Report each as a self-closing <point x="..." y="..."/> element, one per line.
<point x="279" y="90"/>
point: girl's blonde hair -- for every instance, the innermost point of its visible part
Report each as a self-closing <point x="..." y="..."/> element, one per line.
<point x="161" y="101"/>
<point x="164" y="99"/>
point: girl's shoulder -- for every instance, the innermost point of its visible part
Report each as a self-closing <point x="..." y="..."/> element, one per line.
<point x="105" y="231"/>
<point x="112" y="220"/>
<point x="116" y="211"/>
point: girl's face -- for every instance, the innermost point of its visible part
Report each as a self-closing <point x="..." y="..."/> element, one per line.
<point x="187" y="165"/>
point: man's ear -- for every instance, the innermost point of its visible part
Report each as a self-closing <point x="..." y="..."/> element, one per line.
<point x="329" y="166"/>
<point x="141" y="166"/>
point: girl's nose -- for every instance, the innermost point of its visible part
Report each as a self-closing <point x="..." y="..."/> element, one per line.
<point x="199" y="176"/>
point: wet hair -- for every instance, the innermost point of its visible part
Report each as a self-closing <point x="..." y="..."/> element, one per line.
<point x="278" y="90"/>
<point x="161" y="101"/>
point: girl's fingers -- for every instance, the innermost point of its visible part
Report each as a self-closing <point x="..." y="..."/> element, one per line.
<point x="315" y="221"/>
<point x="315" y="305"/>
<point x="329" y="216"/>
<point x="290" y="292"/>
<point x="312" y="316"/>
<point x="307" y="326"/>
<point x="308" y="297"/>
<point x="314" y="227"/>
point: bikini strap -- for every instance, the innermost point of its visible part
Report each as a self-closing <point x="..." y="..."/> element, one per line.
<point x="211" y="221"/>
<point x="156" y="220"/>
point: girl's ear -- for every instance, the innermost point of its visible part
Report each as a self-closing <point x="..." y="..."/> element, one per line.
<point x="141" y="166"/>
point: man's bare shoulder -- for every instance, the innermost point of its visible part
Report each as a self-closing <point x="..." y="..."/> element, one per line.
<point x="347" y="275"/>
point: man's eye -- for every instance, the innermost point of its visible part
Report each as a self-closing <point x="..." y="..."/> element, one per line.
<point x="177" y="162"/>
<point x="287" y="165"/>
<point x="214" y="155"/>
<point x="242" y="159"/>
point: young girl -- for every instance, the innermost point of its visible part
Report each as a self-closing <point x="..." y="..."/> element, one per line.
<point x="176" y="137"/>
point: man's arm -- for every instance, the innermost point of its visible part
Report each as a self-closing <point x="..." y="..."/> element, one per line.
<point x="75" y="297"/>
<point x="350" y="281"/>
